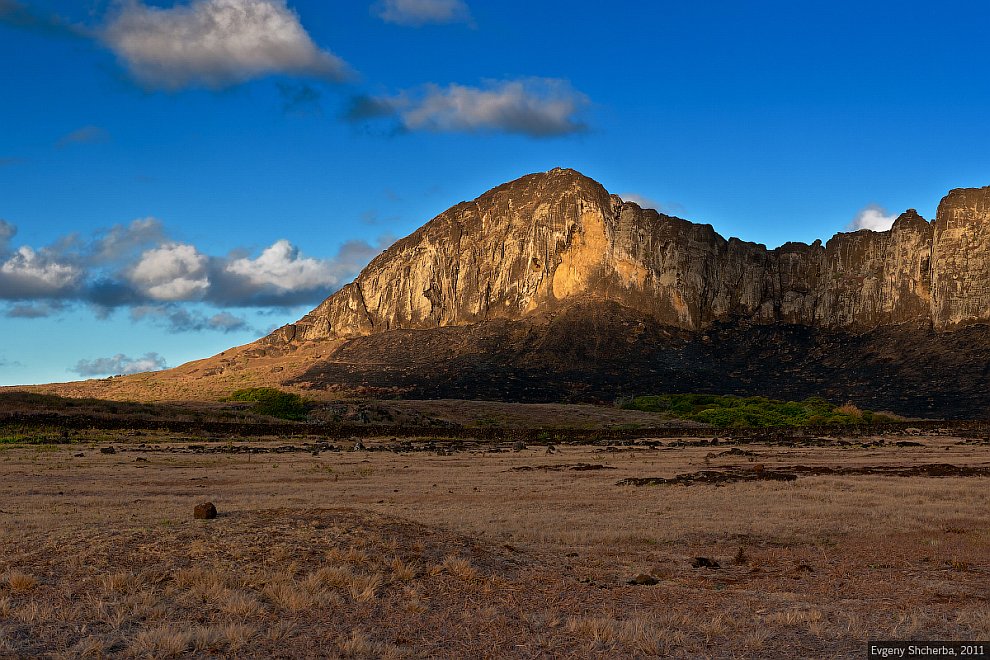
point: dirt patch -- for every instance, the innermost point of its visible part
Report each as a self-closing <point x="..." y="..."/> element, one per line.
<point x="576" y="467"/>
<point x="791" y="473"/>
<point x="714" y="477"/>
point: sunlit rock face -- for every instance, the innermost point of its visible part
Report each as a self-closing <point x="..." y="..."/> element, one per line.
<point x="546" y="240"/>
<point x="960" y="261"/>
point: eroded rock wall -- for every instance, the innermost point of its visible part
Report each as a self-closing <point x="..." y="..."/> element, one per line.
<point x="546" y="239"/>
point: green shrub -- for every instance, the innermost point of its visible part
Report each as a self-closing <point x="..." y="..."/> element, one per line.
<point x="750" y="412"/>
<point x="273" y="402"/>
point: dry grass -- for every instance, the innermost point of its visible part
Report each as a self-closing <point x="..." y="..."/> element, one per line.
<point x="460" y="568"/>
<point x="460" y="556"/>
<point x="19" y="582"/>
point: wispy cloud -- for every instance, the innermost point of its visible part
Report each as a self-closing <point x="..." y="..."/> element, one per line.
<point x="177" y="319"/>
<point x="84" y="135"/>
<point x="537" y="107"/>
<point x="216" y="43"/>
<point x="646" y="202"/>
<point x="119" y="364"/>
<point x="421" y="12"/>
<point x="873" y="217"/>
<point x="300" y="98"/>
<point x="17" y="14"/>
<point x="34" y="310"/>
<point x="7" y="231"/>
<point x="4" y="362"/>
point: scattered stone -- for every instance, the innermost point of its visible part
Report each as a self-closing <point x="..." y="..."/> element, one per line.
<point x="519" y="445"/>
<point x="79" y="455"/>
<point x="577" y="467"/>
<point x="735" y="451"/>
<point x="140" y="459"/>
<point x="358" y="446"/>
<point x="551" y="449"/>
<point x="107" y="450"/>
<point x="205" y="511"/>
<point x="713" y="477"/>
<point x="705" y="562"/>
<point x="644" y="580"/>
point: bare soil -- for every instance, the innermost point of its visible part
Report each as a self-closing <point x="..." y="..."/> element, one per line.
<point x="475" y="549"/>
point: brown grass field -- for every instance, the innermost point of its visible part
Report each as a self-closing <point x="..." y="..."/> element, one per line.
<point x="473" y="550"/>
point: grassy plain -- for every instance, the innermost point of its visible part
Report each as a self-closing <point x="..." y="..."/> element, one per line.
<point x="467" y="549"/>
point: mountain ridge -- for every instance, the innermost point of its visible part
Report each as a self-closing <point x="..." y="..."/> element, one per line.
<point x="545" y="238"/>
<point x="548" y="288"/>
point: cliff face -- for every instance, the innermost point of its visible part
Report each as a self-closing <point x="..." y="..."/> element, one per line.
<point x="546" y="240"/>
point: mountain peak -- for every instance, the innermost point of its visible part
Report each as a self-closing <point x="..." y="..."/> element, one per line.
<point x="550" y="238"/>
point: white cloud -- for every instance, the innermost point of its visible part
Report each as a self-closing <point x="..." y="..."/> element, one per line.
<point x="874" y="218"/>
<point x="175" y="271"/>
<point x="216" y="43"/>
<point x="642" y="200"/>
<point x="282" y="267"/>
<point x="119" y="364"/>
<point x="137" y="266"/>
<point x="421" y="12"/>
<point x="538" y="107"/>
<point x="28" y="273"/>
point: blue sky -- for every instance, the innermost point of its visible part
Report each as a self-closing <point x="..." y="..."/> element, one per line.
<point x="180" y="177"/>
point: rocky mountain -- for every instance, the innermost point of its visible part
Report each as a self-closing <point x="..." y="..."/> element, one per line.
<point x="546" y="240"/>
<point x="549" y="288"/>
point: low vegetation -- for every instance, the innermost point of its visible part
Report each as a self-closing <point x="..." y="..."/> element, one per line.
<point x="273" y="402"/>
<point x="724" y="411"/>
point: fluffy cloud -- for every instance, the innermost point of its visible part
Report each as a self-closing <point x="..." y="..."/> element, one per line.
<point x="119" y="364"/>
<point x="216" y="43"/>
<point x="537" y="107"/>
<point x="874" y="218"/>
<point x="282" y="267"/>
<point x="37" y="274"/>
<point x="421" y="12"/>
<point x="281" y="275"/>
<point x="138" y="266"/>
<point x="174" y="271"/>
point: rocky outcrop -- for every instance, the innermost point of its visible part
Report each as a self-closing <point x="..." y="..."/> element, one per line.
<point x="960" y="261"/>
<point x="546" y="240"/>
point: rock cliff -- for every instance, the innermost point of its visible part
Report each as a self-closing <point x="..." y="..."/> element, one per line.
<point x="546" y="240"/>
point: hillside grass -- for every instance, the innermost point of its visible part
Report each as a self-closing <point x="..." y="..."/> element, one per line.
<point x="727" y="411"/>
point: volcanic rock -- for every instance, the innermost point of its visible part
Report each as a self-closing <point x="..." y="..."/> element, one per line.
<point x="548" y="288"/>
